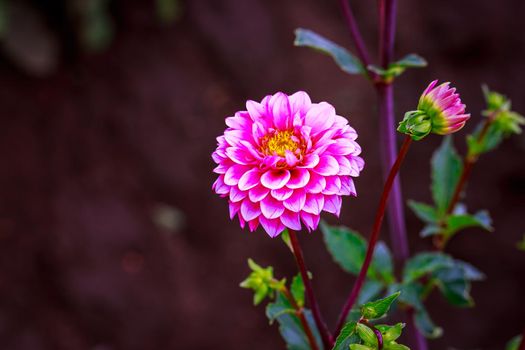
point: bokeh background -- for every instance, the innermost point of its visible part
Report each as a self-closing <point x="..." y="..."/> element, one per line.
<point x="110" y="236"/>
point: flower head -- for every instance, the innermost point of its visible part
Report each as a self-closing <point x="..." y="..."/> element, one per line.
<point x="439" y="111"/>
<point x="284" y="160"/>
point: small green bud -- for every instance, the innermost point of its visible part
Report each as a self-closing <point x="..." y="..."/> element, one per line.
<point x="367" y="335"/>
<point x="390" y="333"/>
<point x="495" y="101"/>
<point x="261" y="281"/>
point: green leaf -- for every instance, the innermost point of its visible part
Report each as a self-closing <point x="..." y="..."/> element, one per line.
<point x="454" y="285"/>
<point x="344" y="59"/>
<point x="425" y="325"/>
<point x="446" y="170"/>
<point x="382" y="263"/>
<point x="347" y="247"/>
<point x="411" y="61"/>
<point x="297" y="290"/>
<point x="367" y="335"/>
<point x="397" y="68"/>
<point x="423" y="211"/>
<point x="425" y="263"/>
<point x="390" y="333"/>
<point x="370" y="290"/>
<point x="470" y="272"/>
<point x="455" y="223"/>
<point x="514" y="343"/>
<point x="290" y="326"/>
<point x="346" y="337"/>
<point x="285" y="236"/>
<point x="378" y="308"/>
<point x="430" y="230"/>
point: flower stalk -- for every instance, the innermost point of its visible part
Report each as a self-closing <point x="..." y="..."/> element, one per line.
<point x="374" y="236"/>
<point x="300" y="314"/>
<point x="316" y="311"/>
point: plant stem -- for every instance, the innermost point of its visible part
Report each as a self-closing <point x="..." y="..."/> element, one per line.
<point x="300" y="314"/>
<point x="396" y="216"/>
<point x="468" y="162"/>
<point x="352" y="297"/>
<point x="362" y="52"/>
<point x="316" y="311"/>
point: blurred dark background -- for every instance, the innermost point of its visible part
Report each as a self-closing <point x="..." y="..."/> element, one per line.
<point x="110" y="236"/>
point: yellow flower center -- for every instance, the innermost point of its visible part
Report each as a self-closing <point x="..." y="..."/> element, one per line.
<point x="279" y="143"/>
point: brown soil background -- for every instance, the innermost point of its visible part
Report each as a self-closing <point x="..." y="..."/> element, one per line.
<point x="88" y="152"/>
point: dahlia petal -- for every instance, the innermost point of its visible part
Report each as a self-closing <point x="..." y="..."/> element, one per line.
<point x="340" y="121"/>
<point x="345" y="168"/>
<point x="249" y="210"/>
<point x="220" y="187"/>
<point x="234" y="208"/>
<point x="249" y="179"/>
<point x="257" y="193"/>
<point x="314" y="203"/>
<point x="237" y="122"/>
<point x="332" y="204"/>
<point x="327" y="166"/>
<point x="237" y="195"/>
<point x="233" y="174"/>
<point x="291" y="159"/>
<point x="280" y="107"/>
<point x="342" y="147"/>
<point x="282" y="193"/>
<point x="298" y="178"/>
<point x="430" y="87"/>
<point x="347" y="186"/>
<point x="271" y="208"/>
<point x="356" y="164"/>
<point x="273" y="227"/>
<point x="275" y="179"/>
<point x="310" y="161"/>
<point x="221" y="168"/>
<point x="253" y="224"/>
<point x="333" y="185"/>
<point x="316" y="184"/>
<point x="320" y="117"/>
<point x="300" y="103"/>
<point x="310" y="221"/>
<point x="291" y="220"/>
<point x="256" y="110"/>
<point x="234" y="137"/>
<point x="239" y="155"/>
<point x="296" y="201"/>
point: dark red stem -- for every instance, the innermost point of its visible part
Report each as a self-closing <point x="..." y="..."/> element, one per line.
<point x="300" y="314"/>
<point x="316" y="311"/>
<point x="373" y="236"/>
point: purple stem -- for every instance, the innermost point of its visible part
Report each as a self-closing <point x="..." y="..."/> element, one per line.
<point x="355" y="33"/>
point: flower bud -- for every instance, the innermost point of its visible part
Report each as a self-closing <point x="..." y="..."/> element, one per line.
<point x="439" y="111"/>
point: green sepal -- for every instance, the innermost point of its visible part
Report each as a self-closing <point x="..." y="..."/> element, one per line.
<point x="390" y="333"/>
<point x="446" y="170"/>
<point x="395" y="346"/>
<point x="342" y="57"/>
<point x="378" y="308"/>
<point x="367" y="335"/>
<point x="285" y="236"/>
<point x="417" y="124"/>
<point x="360" y="347"/>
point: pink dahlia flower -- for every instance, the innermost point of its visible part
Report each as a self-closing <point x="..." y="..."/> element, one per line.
<point x="284" y="160"/>
<point x="439" y="111"/>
